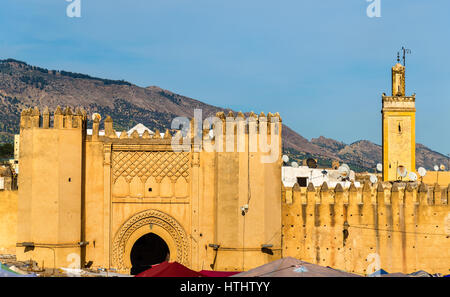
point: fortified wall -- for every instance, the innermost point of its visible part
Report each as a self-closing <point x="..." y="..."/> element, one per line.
<point x="90" y="198"/>
<point x="8" y="221"/>
<point x="397" y="228"/>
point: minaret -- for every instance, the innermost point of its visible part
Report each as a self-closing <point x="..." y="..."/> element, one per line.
<point x="399" y="132"/>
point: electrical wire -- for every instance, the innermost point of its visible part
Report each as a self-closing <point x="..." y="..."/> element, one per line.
<point x="400" y="231"/>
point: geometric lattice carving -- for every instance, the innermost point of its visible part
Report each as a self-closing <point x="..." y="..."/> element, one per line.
<point x="144" y="164"/>
<point x="147" y="217"/>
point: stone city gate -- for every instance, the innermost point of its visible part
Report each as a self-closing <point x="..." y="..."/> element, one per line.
<point x="149" y="221"/>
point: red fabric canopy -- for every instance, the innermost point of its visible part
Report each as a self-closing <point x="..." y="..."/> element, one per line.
<point x="166" y="269"/>
<point x="209" y="273"/>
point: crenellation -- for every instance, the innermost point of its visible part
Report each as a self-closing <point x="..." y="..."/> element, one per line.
<point x="409" y="187"/>
<point x="380" y="196"/>
<point x="35" y="111"/>
<point x="437" y="194"/>
<point x="113" y="135"/>
<point x="146" y="135"/>
<point x="68" y="111"/>
<point x="366" y="187"/>
<point x="221" y="115"/>
<point x="324" y="187"/>
<point x="277" y="114"/>
<point x="58" y="118"/>
<point x="422" y="195"/>
<point x="109" y="131"/>
<point x="134" y="135"/>
<point x="95" y="129"/>
<point x="311" y="188"/>
<point x="58" y="110"/>
<point x="167" y="134"/>
<point x="367" y="195"/>
<point x="46" y="118"/>
<point x="34" y="118"/>
<point x="353" y="196"/>
<point x="380" y="188"/>
<point x="326" y="195"/>
<point x="408" y="197"/>
<point x="339" y="208"/>
<point x="296" y="188"/>
<point x="287" y="195"/>
<point x="339" y="188"/>
<point x="124" y="135"/>
<point x="237" y="121"/>
<point x="371" y="195"/>
<point x="23" y="119"/>
<point x="67" y="118"/>
<point x="388" y="225"/>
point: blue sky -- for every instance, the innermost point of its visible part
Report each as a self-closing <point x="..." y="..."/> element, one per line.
<point x="323" y="64"/>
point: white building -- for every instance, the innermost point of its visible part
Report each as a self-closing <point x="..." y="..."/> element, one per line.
<point x="303" y="175"/>
<point x="140" y="128"/>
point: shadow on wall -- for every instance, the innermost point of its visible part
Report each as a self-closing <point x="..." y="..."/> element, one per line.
<point x="8" y="221"/>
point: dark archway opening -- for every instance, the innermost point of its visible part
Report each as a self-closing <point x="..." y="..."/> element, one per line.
<point x="148" y="250"/>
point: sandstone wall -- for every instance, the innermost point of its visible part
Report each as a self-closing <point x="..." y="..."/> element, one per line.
<point x="8" y="221"/>
<point x="362" y="230"/>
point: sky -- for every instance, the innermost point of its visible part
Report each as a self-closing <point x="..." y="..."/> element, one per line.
<point x="323" y="64"/>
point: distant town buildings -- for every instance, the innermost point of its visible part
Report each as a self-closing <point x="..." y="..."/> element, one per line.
<point x="304" y="175"/>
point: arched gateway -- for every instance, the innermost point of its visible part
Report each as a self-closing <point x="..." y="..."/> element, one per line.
<point x="137" y="228"/>
<point x="147" y="251"/>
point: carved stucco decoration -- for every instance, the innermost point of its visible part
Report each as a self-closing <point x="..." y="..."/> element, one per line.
<point x="130" y="164"/>
<point x="144" y="218"/>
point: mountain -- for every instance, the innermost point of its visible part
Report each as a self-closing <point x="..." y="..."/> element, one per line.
<point x="23" y="85"/>
<point x="427" y="158"/>
<point x="363" y="152"/>
<point x="366" y="154"/>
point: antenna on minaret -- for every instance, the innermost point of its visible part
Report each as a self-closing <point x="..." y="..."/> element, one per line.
<point x="405" y="51"/>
